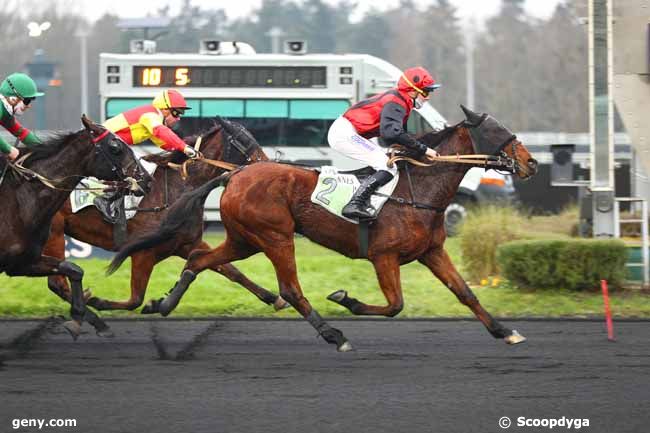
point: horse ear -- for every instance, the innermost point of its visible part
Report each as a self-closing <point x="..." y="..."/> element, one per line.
<point x="471" y="116"/>
<point x="90" y="125"/>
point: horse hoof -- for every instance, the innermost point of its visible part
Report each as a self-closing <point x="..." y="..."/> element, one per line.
<point x="337" y="296"/>
<point x="280" y="304"/>
<point x="73" y="327"/>
<point x="514" y="338"/>
<point x="150" y="308"/>
<point x="94" y="302"/>
<point x="345" y="347"/>
<point x="105" y="333"/>
<point x="88" y="293"/>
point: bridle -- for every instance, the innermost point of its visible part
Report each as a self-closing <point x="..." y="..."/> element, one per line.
<point x="231" y="142"/>
<point x="123" y="182"/>
<point x="100" y="150"/>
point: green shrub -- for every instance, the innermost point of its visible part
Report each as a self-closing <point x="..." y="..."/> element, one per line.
<point x="486" y="228"/>
<point x="572" y="264"/>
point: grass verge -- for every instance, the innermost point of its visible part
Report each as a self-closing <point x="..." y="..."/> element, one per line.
<point x="321" y="272"/>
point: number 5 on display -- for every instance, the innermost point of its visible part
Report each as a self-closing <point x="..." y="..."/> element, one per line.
<point x="182" y="77"/>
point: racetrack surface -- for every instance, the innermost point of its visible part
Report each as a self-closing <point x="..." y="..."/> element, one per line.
<point x="275" y="376"/>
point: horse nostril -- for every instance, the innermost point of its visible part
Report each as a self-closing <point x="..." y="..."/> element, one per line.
<point x="532" y="163"/>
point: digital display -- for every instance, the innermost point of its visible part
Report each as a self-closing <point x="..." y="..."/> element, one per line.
<point x="230" y="76"/>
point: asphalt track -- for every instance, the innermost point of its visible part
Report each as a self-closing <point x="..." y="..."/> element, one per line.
<point x="275" y="376"/>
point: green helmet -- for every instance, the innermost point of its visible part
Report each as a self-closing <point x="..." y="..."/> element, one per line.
<point x="21" y="85"/>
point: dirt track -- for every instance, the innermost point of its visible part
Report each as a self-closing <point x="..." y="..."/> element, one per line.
<point x="275" y="376"/>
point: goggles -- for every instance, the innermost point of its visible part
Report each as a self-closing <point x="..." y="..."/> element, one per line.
<point x="27" y="101"/>
<point x="177" y="112"/>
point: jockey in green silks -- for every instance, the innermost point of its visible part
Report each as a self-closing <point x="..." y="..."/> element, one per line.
<point x="17" y="91"/>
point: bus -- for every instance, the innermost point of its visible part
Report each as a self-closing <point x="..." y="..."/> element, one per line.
<point x="287" y="101"/>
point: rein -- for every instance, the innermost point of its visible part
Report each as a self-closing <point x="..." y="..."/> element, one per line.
<point x="182" y="168"/>
<point x="486" y="161"/>
<point x="30" y="175"/>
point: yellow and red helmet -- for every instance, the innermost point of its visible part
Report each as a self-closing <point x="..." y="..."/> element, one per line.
<point x="418" y="79"/>
<point x="168" y="99"/>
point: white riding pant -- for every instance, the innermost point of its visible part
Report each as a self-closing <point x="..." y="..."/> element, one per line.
<point x="343" y="137"/>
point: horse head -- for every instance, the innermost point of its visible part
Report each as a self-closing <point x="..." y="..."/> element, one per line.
<point x="239" y="146"/>
<point x="112" y="158"/>
<point x="226" y="141"/>
<point x="490" y="137"/>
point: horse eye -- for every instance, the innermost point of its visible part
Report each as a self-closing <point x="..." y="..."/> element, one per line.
<point x="115" y="147"/>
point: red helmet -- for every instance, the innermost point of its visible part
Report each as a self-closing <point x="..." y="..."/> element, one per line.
<point x="418" y="79"/>
<point x="171" y="98"/>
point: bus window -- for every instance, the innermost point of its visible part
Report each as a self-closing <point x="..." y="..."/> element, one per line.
<point x="317" y="109"/>
<point x="222" y="107"/>
<point x="117" y="106"/>
<point x="276" y="108"/>
<point x="417" y="124"/>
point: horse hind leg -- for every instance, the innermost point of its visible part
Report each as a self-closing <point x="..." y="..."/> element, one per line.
<point x="388" y="275"/>
<point x="440" y="264"/>
<point x="142" y="264"/>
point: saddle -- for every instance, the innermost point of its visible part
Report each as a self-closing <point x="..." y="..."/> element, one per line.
<point x="335" y="188"/>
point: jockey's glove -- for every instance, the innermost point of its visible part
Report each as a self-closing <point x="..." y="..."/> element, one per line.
<point x="190" y="152"/>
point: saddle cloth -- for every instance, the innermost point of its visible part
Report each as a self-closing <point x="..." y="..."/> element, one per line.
<point x="335" y="188"/>
<point x="81" y="199"/>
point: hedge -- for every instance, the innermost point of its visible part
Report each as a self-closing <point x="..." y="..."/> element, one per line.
<point x="572" y="264"/>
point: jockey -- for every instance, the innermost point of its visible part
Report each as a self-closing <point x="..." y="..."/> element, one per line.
<point x="17" y="91"/>
<point x="148" y="122"/>
<point x="384" y="116"/>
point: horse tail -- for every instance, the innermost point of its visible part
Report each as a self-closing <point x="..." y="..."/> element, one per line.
<point x="180" y="214"/>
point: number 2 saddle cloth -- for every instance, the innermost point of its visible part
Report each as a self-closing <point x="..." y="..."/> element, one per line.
<point x="335" y="189"/>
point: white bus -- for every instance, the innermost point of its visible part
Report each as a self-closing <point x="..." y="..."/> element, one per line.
<point x="287" y="101"/>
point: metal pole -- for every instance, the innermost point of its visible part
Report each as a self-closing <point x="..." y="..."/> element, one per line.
<point x="601" y="116"/>
<point x="469" y="63"/>
<point x="645" y="243"/>
<point x="83" y="55"/>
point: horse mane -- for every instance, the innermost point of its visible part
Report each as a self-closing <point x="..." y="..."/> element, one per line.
<point x="434" y="138"/>
<point x="191" y="140"/>
<point x="50" y="147"/>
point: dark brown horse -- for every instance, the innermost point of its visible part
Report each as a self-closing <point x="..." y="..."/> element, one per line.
<point x="228" y="142"/>
<point x="264" y="204"/>
<point x="31" y="198"/>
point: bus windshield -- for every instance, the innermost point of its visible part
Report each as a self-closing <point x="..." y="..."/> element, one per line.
<point x="273" y="122"/>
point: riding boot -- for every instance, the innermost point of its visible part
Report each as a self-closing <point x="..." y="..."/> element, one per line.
<point x="359" y="206"/>
<point x="105" y="204"/>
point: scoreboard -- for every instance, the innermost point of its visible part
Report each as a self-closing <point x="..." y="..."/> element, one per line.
<point x="230" y="76"/>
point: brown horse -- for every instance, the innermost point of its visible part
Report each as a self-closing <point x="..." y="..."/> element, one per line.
<point x="228" y="142"/>
<point x="33" y="191"/>
<point x="264" y="204"/>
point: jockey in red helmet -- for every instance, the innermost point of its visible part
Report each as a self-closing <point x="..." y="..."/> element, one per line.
<point x="384" y="116"/>
<point x="148" y="122"/>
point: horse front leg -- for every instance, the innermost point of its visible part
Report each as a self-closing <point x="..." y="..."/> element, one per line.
<point x="198" y="261"/>
<point x="55" y="247"/>
<point x="388" y="275"/>
<point x="282" y="255"/>
<point x="438" y="261"/>
<point x="46" y="266"/>
<point x="229" y="271"/>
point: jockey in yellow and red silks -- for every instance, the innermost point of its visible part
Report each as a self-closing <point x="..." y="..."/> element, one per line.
<point x="148" y="122"/>
<point x="153" y="122"/>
